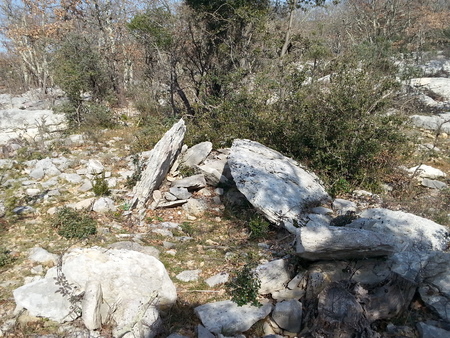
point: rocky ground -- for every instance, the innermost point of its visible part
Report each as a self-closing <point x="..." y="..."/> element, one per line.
<point x="207" y="238"/>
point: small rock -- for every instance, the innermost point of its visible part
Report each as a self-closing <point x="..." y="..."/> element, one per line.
<point x="40" y="255"/>
<point x="220" y="278"/>
<point x="94" y="167"/>
<point x="288" y="315"/>
<point x="189" y="275"/>
<point x="104" y="204"/>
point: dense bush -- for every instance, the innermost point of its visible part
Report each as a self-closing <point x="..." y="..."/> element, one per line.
<point x="79" y="70"/>
<point x="244" y="286"/>
<point x="340" y="127"/>
<point x="73" y="224"/>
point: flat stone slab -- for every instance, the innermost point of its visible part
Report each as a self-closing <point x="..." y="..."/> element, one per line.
<point x="411" y="232"/>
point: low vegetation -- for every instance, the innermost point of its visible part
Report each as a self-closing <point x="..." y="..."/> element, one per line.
<point x="73" y="223"/>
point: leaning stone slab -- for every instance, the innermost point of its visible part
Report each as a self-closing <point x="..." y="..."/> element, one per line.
<point x="158" y="164"/>
<point x="411" y="232"/>
<point x="227" y="318"/>
<point x="196" y="154"/>
<point x="328" y="242"/>
<point x="277" y="186"/>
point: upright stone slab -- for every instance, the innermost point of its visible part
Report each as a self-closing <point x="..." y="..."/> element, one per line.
<point x="275" y="185"/>
<point x="158" y="164"/>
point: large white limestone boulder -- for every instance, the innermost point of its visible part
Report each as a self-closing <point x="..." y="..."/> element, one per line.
<point x="279" y="187"/>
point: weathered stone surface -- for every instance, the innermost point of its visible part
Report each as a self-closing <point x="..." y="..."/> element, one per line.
<point x="16" y="122"/>
<point x="228" y="318"/>
<point x="195" y="182"/>
<point x="158" y="164"/>
<point x="189" y="275"/>
<point x="202" y="332"/>
<point x="273" y="275"/>
<point x="388" y="299"/>
<point x="128" y="245"/>
<point x="71" y="178"/>
<point x="438" y="85"/>
<point x="104" y="204"/>
<point x="340" y="310"/>
<point x="429" y="331"/>
<point x="140" y="319"/>
<point x="220" y="278"/>
<point x="195" y="207"/>
<point x="40" y="255"/>
<point x="180" y="193"/>
<point x="275" y="185"/>
<point x="343" y="206"/>
<point x="433" y="184"/>
<point x="436" y="122"/>
<point x="91" y="304"/>
<point x="126" y="278"/>
<point x="411" y="232"/>
<point x="94" y="167"/>
<point x="42" y="299"/>
<point x="196" y="154"/>
<point x="288" y="315"/>
<point x="426" y="171"/>
<point x="84" y="204"/>
<point x="321" y="242"/>
<point x="435" y="301"/>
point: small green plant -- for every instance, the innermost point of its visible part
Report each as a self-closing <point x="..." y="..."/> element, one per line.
<point x="5" y="257"/>
<point x="73" y="224"/>
<point x="258" y="226"/>
<point x="186" y="171"/>
<point x="243" y="288"/>
<point x="138" y="168"/>
<point x="101" y="187"/>
<point x="187" y="228"/>
<point x="68" y="291"/>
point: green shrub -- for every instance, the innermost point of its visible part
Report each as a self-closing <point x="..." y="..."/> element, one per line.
<point x="340" y="128"/>
<point x="137" y="173"/>
<point x="258" y="226"/>
<point x="100" y="186"/>
<point x="243" y="288"/>
<point x="73" y="224"/>
<point x="5" y="257"/>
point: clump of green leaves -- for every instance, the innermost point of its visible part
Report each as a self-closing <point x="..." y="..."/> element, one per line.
<point x="243" y="288"/>
<point x="5" y="257"/>
<point x="100" y="186"/>
<point x="73" y="224"/>
<point x="137" y="173"/>
<point x="258" y="226"/>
